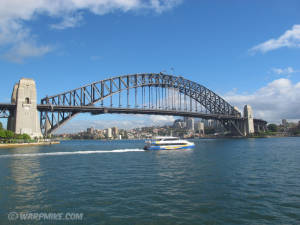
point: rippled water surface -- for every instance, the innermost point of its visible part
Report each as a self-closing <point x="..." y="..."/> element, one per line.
<point x="220" y="181"/>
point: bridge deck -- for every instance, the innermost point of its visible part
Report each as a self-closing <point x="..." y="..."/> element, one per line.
<point x="7" y="106"/>
<point x="102" y="110"/>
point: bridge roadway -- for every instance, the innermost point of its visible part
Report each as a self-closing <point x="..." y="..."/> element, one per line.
<point x="7" y="106"/>
<point x="102" y="110"/>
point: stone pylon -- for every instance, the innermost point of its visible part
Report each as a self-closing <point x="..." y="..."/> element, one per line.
<point x="25" y="119"/>
<point x="249" y="123"/>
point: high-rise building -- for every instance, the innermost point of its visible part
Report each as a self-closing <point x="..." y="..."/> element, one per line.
<point x="115" y="131"/>
<point x="179" y="124"/>
<point x="208" y="123"/>
<point x="109" y="133"/>
<point x="284" y="123"/>
<point x="190" y="124"/>
<point x="185" y="119"/>
<point x="90" y="130"/>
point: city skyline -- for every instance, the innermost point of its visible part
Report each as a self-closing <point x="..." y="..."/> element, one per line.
<point x="246" y="52"/>
<point x="187" y="128"/>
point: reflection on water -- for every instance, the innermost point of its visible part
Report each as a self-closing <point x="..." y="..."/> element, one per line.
<point x="26" y="175"/>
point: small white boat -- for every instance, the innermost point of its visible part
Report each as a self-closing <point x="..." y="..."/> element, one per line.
<point x="168" y="143"/>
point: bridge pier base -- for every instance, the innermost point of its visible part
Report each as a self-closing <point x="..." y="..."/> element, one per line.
<point x="25" y="120"/>
<point x="243" y="126"/>
<point x="47" y="127"/>
<point x="260" y="127"/>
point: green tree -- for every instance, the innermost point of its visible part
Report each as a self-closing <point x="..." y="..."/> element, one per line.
<point x="9" y="134"/>
<point x="272" y="127"/>
<point x="26" y="137"/>
<point x="2" y="134"/>
<point x="18" y="136"/>
<point x="1" y="126"/>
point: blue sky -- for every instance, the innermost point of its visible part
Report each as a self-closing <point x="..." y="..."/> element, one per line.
<point x="247" y="51"/>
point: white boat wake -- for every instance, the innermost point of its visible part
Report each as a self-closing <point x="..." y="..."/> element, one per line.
<point x="70" y="153"/>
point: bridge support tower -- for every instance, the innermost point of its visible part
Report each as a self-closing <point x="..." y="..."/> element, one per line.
<point x="248" y="123"/>
<point x="245" y="125"/>
<point x="25" y="119"/>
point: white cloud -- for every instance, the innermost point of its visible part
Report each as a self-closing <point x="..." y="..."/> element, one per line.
<point x="161" y="6"/>
<point x="284" y="71"/>
<point x="158" y="120"/>
<point x="290" y="39"/>
<point x="24" y="50"/>
<point x="15" y="13"/>
<point x="273" y="102"/>
<point x="68" y="22"/>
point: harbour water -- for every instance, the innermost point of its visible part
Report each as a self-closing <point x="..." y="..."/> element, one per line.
<point x="220" y="181"/>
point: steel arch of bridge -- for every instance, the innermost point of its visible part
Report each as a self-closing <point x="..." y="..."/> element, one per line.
<point x="167" y="89"/>
<point x="5" y="109"/>
<point x="4" y="113"/>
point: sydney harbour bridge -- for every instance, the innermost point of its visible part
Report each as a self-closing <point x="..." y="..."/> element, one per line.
<point x="149" y="93"/>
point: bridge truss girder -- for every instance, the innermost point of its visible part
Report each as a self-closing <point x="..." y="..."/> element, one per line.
<point x="4" y="113"/>
<point x="142" y="91"/>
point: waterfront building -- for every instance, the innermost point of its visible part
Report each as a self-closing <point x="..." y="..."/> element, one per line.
<point x="179" y="124"/>
<point x="115" y="131"/>
<point x="185" y="119"/>
<point x="284" y="123"/>
<point x="191" y="124"/>
<point x="109" y="133"/>
<point x="206" y="123"/>
<point x="200" y="127"/>
<point x="90" y="130"/>
<point x="211" y="123"/>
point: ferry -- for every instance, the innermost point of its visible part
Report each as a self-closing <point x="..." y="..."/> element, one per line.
<point x="168" y="143"/>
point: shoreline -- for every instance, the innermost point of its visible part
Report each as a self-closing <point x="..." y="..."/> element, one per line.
<point x="13" y="145"/>
<point x="206" y="137"/>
